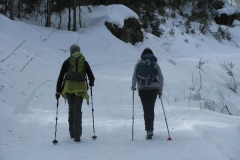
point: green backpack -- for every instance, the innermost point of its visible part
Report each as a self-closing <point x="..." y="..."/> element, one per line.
<point x="76" y="67"/>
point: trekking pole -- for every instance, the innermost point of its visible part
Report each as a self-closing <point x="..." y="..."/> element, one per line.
<point x="94" y="136"/>
<point x="133" y="117"/>
<point x="56" y="141"/>
<point x="169" y="138"/>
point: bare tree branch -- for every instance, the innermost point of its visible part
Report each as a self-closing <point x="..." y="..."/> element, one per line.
<point x="28" y="62"/>
<point x="12" y="52"/>
<point x="226" y="107"/>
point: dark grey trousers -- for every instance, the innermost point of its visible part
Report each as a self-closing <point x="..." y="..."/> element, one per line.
<point x="75" y="113"/>
<point x="148" y="99"/>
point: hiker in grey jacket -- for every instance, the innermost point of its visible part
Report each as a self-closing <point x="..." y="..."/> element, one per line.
<point x="148" y="93"/>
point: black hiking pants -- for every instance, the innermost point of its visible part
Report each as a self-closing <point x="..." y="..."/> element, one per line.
<point x="75" y="114"/>
<point x="148" y="99"/>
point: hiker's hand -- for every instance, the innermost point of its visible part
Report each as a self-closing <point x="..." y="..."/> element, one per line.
<point x="57" y="95"/>
<point x="159" y="94"/>
<point x="91" y="84"/>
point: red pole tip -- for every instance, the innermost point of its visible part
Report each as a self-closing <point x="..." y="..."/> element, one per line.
<point x="169" y="139"/>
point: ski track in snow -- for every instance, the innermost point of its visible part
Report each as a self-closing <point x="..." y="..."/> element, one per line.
<point x="22" y="107"/>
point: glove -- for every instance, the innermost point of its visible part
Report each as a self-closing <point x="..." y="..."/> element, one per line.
<point x="159" y="94"/>
<point x="57" y="95"/>
<point x="87" y="86"/>
<point x="91" y="84"/>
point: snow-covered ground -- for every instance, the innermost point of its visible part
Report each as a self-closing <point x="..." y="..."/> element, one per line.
<point x="31" y="57"/>
<point x="235" y="3"/>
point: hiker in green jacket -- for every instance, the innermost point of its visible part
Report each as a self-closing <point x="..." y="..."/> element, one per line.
<point x="72" y="85"/>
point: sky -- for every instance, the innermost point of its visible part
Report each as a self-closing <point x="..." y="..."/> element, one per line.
<point x="198" y="117"/>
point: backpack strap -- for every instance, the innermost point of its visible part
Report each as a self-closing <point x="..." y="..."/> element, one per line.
<point x="76" y="64"/>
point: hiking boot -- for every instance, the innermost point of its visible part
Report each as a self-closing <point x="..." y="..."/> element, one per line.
<point x="77" y="138"/>
<point x="149" y="135"/>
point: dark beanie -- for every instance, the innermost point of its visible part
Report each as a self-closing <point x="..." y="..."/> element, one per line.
<point x="74" y="48"/>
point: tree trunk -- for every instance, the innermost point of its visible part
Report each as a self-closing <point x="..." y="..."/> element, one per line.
<point x="12" y="9"/>
<point x="38" y="11"/>
<point x="59" y="25"/>
<point x="178" y="3"/>
<point x="19" y="9"/>
<point x="74" y="16"/>
<point x="79" y="17"/>
<point x="5" y="6"/>
<point x="48" y="22"/>
<point x="69" y="18"/>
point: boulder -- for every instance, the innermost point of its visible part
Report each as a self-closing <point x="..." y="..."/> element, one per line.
<point x="130" y="33"/>
<point x="224" y="19"/>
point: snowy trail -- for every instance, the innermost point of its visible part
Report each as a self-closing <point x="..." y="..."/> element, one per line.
<point x="113" y="122"/>
<point x="111" y="140"/>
